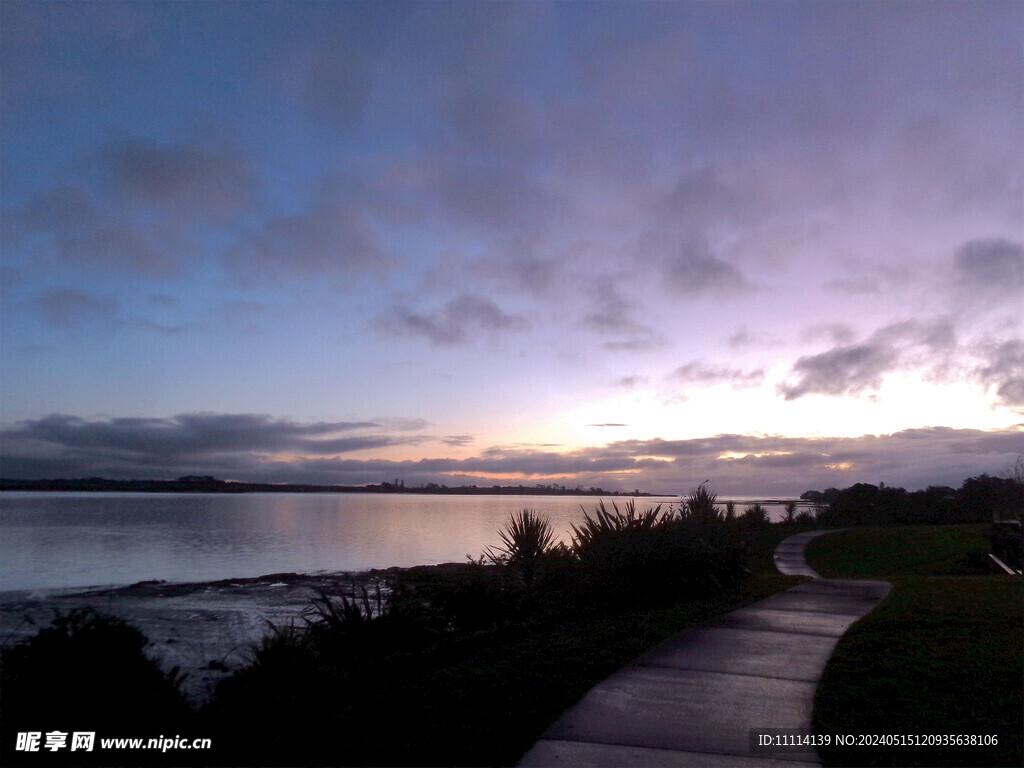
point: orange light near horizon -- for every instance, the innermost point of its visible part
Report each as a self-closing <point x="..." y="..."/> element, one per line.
<point x="734" y="455"/>
<point x="505" y="475"/>
<point x="844" y="466"/>
<point x="534" y="477"/>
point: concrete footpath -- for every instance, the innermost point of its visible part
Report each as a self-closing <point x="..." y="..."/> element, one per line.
<point x="693" y="700"/>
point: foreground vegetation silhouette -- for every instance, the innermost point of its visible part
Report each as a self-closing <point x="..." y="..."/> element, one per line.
<point x="977" y="500"/>
<point x="463" y="664"/>
<point x="425" y="670"/>
<point x="87" y="672"/>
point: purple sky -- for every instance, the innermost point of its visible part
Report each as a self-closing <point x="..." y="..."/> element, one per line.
<point x="776" y="245"/>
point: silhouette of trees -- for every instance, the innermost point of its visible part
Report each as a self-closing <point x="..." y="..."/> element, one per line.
<point x="978" y="500"/>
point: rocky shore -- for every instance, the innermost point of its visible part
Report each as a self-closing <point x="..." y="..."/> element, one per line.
<point x="203" y="628"/>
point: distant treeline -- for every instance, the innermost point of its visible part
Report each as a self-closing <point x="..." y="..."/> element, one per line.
<point x="977" y="500"/>
<point x="206" y="484"/>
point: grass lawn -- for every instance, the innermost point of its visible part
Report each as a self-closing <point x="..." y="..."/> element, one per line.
<point x="942" y="655"/>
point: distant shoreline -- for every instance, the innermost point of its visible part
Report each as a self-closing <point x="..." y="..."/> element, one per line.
<point x="213" y="485"/>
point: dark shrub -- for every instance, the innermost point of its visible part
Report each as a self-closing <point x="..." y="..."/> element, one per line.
<point x="790" y="518"/>
<point x="620" y="553"/>
<point x="980" y="499"/>
<point x="805" y="517"/>
<point x="88" y="672"/>
<point x="649" y="557"/>
<point x="1008" y="543"/>
<point x="755" y="516"/>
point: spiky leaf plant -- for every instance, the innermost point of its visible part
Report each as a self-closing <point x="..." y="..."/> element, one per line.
<point x="527" y="545"/>
<point x="527" y="537"/>
<point x="756" y="516"/>
<point x="790" y="512"/>
<point x="700" y="505"/>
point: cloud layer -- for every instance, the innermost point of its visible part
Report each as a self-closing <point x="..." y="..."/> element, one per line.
<point x="514" y="220"/>
<point x="255" y="447"/>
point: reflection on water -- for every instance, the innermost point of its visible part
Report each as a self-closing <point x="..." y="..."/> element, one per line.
<point x="50" y="540"/>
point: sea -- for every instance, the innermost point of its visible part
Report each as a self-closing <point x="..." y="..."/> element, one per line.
<point x="62" y="540"/>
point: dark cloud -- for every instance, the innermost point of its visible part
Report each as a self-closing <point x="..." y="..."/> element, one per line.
<point x="913" y="458"/>
<point x="490" y="198"/>
<point x="329" y="66"/>
<point x="990" y="265"/>
<point x="105" y="39"/>
<point x="457" y="322"/>
<point x="458" y="440"/>
<point x="165" y="329"/>
<point x="711" y="197"/>
<point x="515" y="265"/>
<point x="935" y="335"/>
<point x="134" y="207"/>
<point x="68" y="307"/>
<point x="613" y="316"/>
<point x="850" y="369"/>
<point x="629" y="382"/>
<point x="185" y="177"/>
<point x="338" y="83"/>
<point x="69" y="225"/>
<point x="744" y="337"/>
<point x="608" y="424"/>
<point x="63" y="209"/>
<point x="401" y="424"/>
<point x="73" y="308"/>
<point x="696" y="270"/>
<point x="507" y="127"/>
<point x="841" y="371"/>
<point x="639" y="344"/>
<point x="701" y="372"/>
<point x="352" y="444"/>
<point x="1004" y="371"/>
<point x="476" y="71"/>
<point x="193" y="436"/>
<point x="334" y="235"/>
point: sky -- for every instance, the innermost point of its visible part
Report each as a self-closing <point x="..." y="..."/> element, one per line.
<point x="772" y="245"/>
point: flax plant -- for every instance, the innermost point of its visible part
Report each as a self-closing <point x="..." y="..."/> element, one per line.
<point x="527" y="545"/>
<point x="700" y="505"/>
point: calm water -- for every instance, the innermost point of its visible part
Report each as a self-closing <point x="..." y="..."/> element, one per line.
<point x="51" y="540"/>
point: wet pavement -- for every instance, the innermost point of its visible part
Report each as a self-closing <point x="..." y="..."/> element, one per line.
<point x="693" y="700"/>
<point x="789" y="555"/>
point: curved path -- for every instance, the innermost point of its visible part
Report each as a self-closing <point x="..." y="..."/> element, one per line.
<point x="693" y="700"/>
